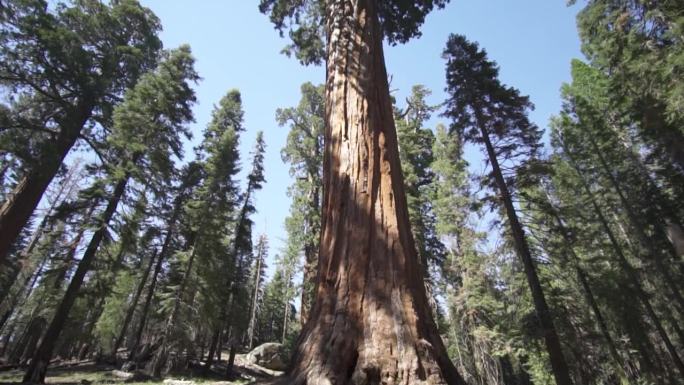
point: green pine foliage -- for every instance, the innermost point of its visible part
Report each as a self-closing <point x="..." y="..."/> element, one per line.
<point x="303" y="151"/>
<point x="416" y="156"/>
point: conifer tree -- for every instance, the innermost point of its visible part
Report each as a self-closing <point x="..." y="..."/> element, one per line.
<point x="234" y="282"/>
<point x="242" y="249"/>
<point x="633" y="275"/>
<point x="415" y="153"/>
<point x="367" y="254"/>
<point x="304" y="152"/>
<point x="258" y="273"/>
<point x="63" y="192"/>
<point x="66" y="66"/>
<point x="114" y="276"/>
<point x="147" y="130"/>
<point x="638" y="45"/>
<point x="486" y="112"/>
<point x="190" y="178"/>
<point x="209" y="215"/>
<point x="276" y="303"/>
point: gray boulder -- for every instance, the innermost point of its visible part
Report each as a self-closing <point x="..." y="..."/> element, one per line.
<point x="269" y="355"/>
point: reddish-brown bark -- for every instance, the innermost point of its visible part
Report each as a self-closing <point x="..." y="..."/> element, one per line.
<point x="371" y="322"/>
<point x="17" y="209"/>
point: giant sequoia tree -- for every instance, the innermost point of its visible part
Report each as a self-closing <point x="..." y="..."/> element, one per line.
<point x="370" y="321"/>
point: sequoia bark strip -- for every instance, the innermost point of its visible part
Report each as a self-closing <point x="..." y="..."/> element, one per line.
<point x="370" y="320"/>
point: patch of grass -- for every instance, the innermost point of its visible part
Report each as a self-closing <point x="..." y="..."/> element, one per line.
<point x="11" y="376"/>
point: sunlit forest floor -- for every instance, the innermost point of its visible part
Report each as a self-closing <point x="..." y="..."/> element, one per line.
<point x="89" y="372"/>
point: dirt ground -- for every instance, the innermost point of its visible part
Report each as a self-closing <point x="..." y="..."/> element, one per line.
<point x="88" y="372"/>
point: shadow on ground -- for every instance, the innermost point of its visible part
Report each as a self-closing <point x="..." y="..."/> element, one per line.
<point x="89" y="372"/>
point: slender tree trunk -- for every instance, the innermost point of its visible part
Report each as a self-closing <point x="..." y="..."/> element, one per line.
<point x="627" y="267"/>
<point x="3" y="320"/>
<point x="70" y="256"/>
<point x="231" y="357"/>
<point x="24" y="263"/>
<point x="134" y="303"/>
<point x="308" y="282"/>
<point x="212" y="350"/>
<point x="20" y="298"/>
<point x="232" y="284"/>
<point x="553" y="346"/>
<point x="583" y="278"/>
<point x="39" y="363"/>
<point x="85" y="336"/>
<point x="255" y="297"/>
<point x="157" y="269"/>
<point x="160" y="357"/>
<point x="645" y="241"/>
<point x="310" y="257"/>
<point x="17" y="209"/>
<point x="219" y="347"/>
<point x="27" y="343"/>
<point x="286" y="315"/>
<point x="106" y="288"/>
<point x="675" y="235"/>
<point x="66" y="186"/>
<point x="600" y="320"/>
<point x="3" y="171"/>
<point x="370" y="319"/>
<point x="7" y="339"/>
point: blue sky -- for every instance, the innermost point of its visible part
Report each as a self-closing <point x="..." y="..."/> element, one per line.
<point x="235" y="46"/>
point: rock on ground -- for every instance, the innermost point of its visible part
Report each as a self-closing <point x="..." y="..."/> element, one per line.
<point x="269" y="355"/>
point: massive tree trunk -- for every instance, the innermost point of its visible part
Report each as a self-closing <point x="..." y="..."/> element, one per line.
<point x="17" y="209"/>
<point x="35" y="373"/>
<point x="370" y="322"/>
<point x="553" y="346"/>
